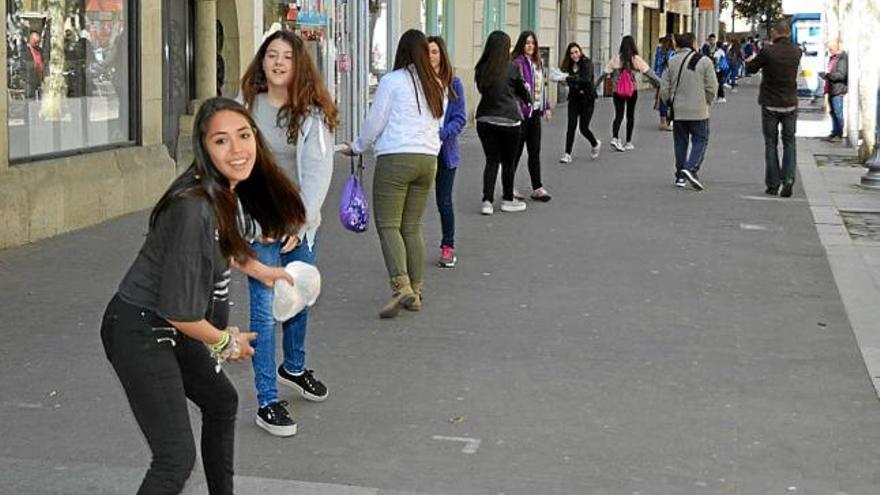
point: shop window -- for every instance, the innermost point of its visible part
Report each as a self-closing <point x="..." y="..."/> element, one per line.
<point x="494" y="16"/>
<point x="69" y="76"/>
<point x="309" y="19"/>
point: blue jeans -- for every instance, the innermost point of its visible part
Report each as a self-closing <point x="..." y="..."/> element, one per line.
<point x="694" y="133"/>
<point x="837" y="116"/>
<point x="770" y="122"/>
<point x="263" y="323"/>
<point x="444" y="181"/>
<point x="663" y="108"/>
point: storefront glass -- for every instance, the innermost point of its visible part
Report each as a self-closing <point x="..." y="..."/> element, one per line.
<point x="68" y="75"/>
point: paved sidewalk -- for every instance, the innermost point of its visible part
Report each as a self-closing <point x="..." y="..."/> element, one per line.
<point x="847" y="218"/>
<point x="627" y="337"/>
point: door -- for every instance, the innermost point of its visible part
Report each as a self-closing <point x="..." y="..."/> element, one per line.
<point x="178" y="76"/>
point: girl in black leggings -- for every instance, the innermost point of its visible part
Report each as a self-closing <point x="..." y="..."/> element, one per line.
<point x="165" y="331"/>
<point x="626" y="62"/>
<point x="581" y="99"/>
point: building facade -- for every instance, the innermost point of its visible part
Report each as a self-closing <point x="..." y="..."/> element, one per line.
<point x="101" y="94"/>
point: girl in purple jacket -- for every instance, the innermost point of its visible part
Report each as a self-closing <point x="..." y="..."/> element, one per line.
<point x="447" y="163"/>
<point x="527" y="58"/>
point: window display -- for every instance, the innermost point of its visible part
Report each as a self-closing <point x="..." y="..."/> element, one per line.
<point x="68" y="75"/>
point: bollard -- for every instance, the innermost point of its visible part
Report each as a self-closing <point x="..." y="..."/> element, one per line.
<point x="871" y="179"/>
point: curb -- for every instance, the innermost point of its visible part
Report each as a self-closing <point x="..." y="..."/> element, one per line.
<point x="852" y="274"/>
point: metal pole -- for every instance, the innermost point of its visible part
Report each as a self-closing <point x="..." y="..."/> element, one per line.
<point x="871" y="179"/>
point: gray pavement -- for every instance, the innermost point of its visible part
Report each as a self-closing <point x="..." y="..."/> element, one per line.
<point x="627" y="337"/>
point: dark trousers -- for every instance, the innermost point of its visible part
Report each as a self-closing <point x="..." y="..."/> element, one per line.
<point x="693" y="133"/>
<point x="444" y="181"/>
<point x="619" y="105"/>
<point x="721" y="81"/>
<point x="160" y="368"/>
<point x="500" y="146"/>
<point x="530" y="139"/>
<point x="770" y="122"/>
<point x="580" y="112"/>
<point x="836" y="104"/>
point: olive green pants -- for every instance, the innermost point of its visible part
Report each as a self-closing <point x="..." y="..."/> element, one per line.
<point x="401" y="185"/>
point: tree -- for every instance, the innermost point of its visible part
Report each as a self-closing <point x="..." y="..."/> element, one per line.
<point x="755" y="9"/>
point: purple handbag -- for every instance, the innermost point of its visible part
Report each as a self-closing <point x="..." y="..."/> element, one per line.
<point x="354" y="212"/>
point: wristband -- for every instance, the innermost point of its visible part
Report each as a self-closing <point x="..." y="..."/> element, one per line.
<point x="229" y="350"/>
<point x="217" y="348"/>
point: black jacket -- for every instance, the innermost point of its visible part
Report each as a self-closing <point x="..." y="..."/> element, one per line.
<point x="499" y="99"/>
<point x="780" y="62"/>
<point x="839" y="77"/>
<point x="581" y="83"/>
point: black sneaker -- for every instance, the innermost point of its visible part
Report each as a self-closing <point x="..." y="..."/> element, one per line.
<point x="785" y="192"/>
<point x="680" y="182"/>
<point x="306" y="384"/>
<point x="692" y="179"/>
<point x="275" y="419"/>
<point x="772" y="190"/>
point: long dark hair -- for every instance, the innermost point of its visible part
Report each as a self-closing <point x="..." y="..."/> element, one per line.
<point x="305" y="92"/>
<point x="412" y="49"/>
<point x="627" y="52"/>
<point x="520" y="47"/>
<point x="566" y="63"/>
<point x="494" y="62"/>
<point x="446" y="72"/>
<point x="267" y="195"/>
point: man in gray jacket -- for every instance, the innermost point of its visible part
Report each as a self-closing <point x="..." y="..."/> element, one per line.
<point x="689" y="85"/>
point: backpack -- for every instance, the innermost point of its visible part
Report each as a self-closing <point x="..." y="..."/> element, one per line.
<point x="625" y="87"/>
<point x="723" y="63"/>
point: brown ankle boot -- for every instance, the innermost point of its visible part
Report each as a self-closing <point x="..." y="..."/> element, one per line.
<point x="401" y="295"/>
<point x="416" y="305"/>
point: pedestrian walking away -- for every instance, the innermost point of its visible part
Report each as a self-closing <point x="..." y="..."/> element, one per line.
<point x="734" y="54"/>
<point x="403" y="124"/>
<point x="662" y="54"/>
<point x="722" y="68"/>
<point x="534" y="74"/>
<point x="836" y="87"/>
<point x="450" y="156"/>
<point x="577" y="73"/>
<point x="499" y="119"/>
<point x="166" y="330"/>
<point x="778" y="98"/>
<point x="622" y="69"/>
<point x="296" y="116"/>
<point x="689" y="86"/>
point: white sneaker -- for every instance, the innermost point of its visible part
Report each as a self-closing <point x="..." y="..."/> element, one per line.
<point x="513" y="206"/>
<point x="615" y="143"/>
<point x="629" y="147"/>
<point x="727" y="85"/>
<point x="566" y="158"/>
<point x="596" y="150"/>
<point x="487" y="208"/>
<point x="721" y="100"/>
<point x="518" y="195"/>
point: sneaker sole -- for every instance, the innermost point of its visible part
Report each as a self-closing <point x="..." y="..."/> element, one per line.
<point x="543" y="199"/>
<point x="444" y="264"/>
<point x="275" y="430"/>
<point x="487" y="213"/>
<point x="517" y="210"/>
<point x="302" y="392"/>
<point x="693" y="181"/>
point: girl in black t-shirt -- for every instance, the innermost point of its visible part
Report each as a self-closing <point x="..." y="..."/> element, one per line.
<point x="165" y="331"/>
